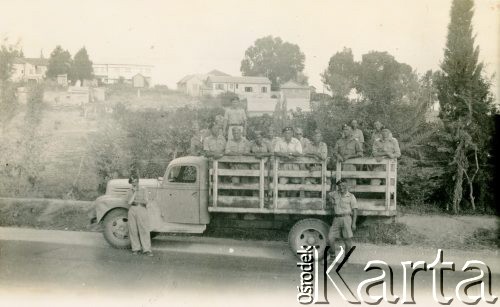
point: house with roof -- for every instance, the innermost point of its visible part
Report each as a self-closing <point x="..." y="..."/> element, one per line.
<point x="244" y="87"/>
<point x="112" y="73"/>
<point x="29" y="69"/>
<point x="193" y="84"/>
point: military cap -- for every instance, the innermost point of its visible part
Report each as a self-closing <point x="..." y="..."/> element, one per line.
<point x="287" y="129"/>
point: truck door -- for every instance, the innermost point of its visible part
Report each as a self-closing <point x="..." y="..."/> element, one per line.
<point x="179" y="195"/>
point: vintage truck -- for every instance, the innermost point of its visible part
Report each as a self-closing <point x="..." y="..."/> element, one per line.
<point x="195" y="189"/>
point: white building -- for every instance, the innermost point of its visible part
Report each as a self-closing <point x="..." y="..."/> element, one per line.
<point x="113" y="73"/>
<point x="244" y="87"/>
<point x="194" y="84"/>
<point x="29" y="69"/>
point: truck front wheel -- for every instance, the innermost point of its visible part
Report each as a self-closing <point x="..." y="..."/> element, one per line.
<point x="116" y="228"/>
<point x="309" y="232"/>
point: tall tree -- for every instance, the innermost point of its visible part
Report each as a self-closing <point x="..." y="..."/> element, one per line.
<point x="341" y="74"/>
<point x="271" y="57"/>
<point x="59" y="62"/>
<point x="466" y="106"/>
<point x="81" y="69"/>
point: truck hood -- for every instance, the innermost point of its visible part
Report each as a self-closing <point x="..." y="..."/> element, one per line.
<point x="120" y="187"/>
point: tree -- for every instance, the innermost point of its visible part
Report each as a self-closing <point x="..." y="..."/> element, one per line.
<point x="8" y="100"/>
<point x="271" y="57"/>
<point x="81" y="68"/>
<point x="59" y="62"/>
<point x="383" y="80"/>
<point x="466" y="106"/>
<point x="341" y="74"/>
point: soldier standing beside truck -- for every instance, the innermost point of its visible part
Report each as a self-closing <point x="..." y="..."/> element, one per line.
<point x="138" y="219"/>
<point x="345" y="213"/>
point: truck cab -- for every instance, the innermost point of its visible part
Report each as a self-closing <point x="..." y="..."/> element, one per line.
<point x="178" y="201"/>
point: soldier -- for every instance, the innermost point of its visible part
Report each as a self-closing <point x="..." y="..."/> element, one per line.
<point x="347" y="148"/>
<point x="235" y="116"/>
<point x="345" y="212"/>
<point x="357" y="133"/>
<point x="196" y="144"/>
<point x="138" y="218"/>
<point x="288" y="148"/>
<point x="214" y="145"/>
<point x="387" y="147"/>
<point x="272" y="139"/>
<point x="299" y="135"/>
<point x="377" y="133"/>
<point x="237" y="146"/>
<point x="259" y="146"/>
<point x="318" y="150"/>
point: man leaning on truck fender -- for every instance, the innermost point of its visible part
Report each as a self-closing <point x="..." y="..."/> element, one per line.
<point x="345" y="213"/>
<point x="138" y="219"/>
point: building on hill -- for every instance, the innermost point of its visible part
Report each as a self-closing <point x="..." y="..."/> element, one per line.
<point x="193" y="84"/>
<point x="292" y="89"/>
<point x="29" y="69"/>
<point x="244" y="87"/>
<point x="115" y="73"/>
<point x="297" y="96"/>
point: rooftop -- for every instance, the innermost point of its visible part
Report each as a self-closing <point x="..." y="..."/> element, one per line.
<point x="33" y="61"/>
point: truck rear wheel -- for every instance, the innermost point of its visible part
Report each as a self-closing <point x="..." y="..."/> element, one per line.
<point x="116" y="228"/>
<point x="312" y="232"/>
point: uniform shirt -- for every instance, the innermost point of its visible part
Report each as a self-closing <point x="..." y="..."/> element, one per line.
<point x="241" y="147"/>
<point x="343" y="204"/>
<point x="294" y="146"/>
<point x="235" y="116"/>
<point x="139" y="196"/>
<point x="317" y="149"/>
<point x="262" y="148"/>
<point x="214" y="144"/>
<point x="346" y="147"/>
<point x="385" y="147"/>
<point x="358" y="135"/>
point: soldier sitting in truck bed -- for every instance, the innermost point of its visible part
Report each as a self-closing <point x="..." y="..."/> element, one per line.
<point x="347" y="148"/>
<point x="214" y="145"/>
<point x="235" y="147"/>
<point x="316" y="149"/>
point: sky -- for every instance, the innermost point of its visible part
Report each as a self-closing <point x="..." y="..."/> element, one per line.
<point x="196" y="36"/>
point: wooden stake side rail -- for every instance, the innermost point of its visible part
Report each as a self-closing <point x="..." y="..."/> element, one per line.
<point x="261" y="191"/>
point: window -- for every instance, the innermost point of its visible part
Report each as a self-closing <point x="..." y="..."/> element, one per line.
<point x="182" y="174"/>
<point x="264" y="89"/>
<point x="236" y="85"/>
<point x="219" y="86"/>
<point x="248" y="89"/>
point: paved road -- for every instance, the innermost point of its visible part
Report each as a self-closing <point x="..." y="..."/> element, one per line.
<point x="53" y="274"/>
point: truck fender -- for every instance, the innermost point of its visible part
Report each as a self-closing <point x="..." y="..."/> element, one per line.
<point x="106" y="203"/>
